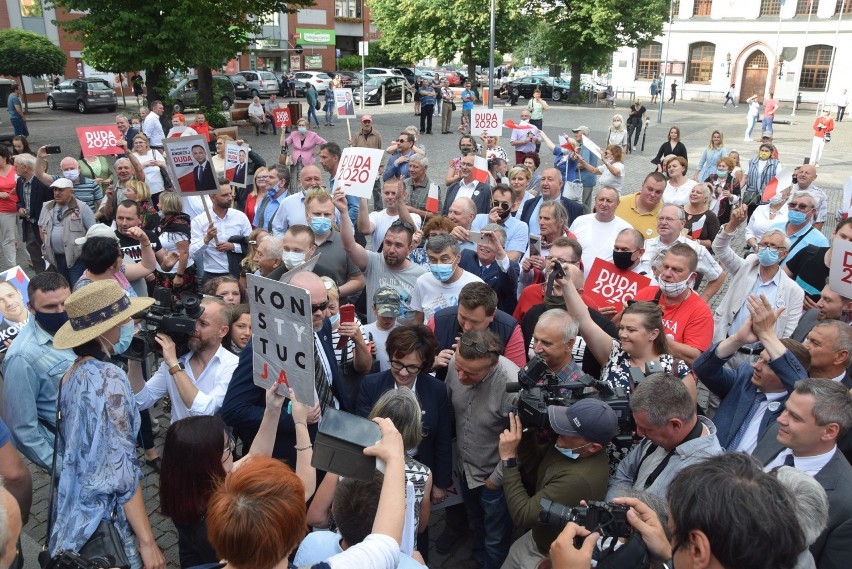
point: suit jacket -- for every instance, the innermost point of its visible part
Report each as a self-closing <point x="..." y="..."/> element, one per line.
<point x="481" y="197"/>
<point x="505" y="284"/>
<point x="435" y="450"/>
<point x="831" y="549"/>
<point x="806" y="324"/>
<point x="574" y="209"/>
<point x="240" y="173"/>
<point x="743" y="274"/>
<point x="208" y="179"/>
<point x="737" y="392"/>
<point x="337" y="386"/>
<point x="39" y="195"/>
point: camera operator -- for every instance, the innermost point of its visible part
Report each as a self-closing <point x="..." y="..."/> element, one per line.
<point x="675" y="436"/>
<point x="574" y="468"/>
<point x="197" y="381"/>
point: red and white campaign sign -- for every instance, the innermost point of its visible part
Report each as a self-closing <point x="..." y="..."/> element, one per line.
<point x="840" y="273"/>
<point x="281" y="117"/>
<point x="486" y="121"/>
<point x="99" y="140"/>
<point x="607" y="285"/>
<point x="358" y="170"/>
<point x="188" y="162"/>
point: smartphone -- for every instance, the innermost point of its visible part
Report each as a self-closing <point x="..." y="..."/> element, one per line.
<point x="347" y="314"/>
<point x="52" y="149"/>
<point x="477" y="237"/>
<point x="535" y="245"/>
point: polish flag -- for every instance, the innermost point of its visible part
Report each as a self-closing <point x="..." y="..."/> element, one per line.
<point x="480" y="170"/>
<point x="697" y="227"/>
<point x="567" y="143"/>
<point x="513" y="125"/>
<point x="783" y="179"/>
<point x="432" y="198"/>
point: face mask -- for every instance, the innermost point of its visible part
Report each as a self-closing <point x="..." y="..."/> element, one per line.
<point x="71" y="174"/>
<point x="554" y="302"/>
<point x="722" y="173"/>
<point x="767" y="258"/>
<point x="441" y="271"/>
<point x="764" y="155"/>
<point x="321" y="225"/>
<point x="570" y="452"/>
<point x="302" y="130"/>
<point x="292" y="259"/>
<point x="776" y="199"/>
<point x="524" y="122"/>
<point x="616" y="123"/>
<point x="124" y="338"/>
<point x="334" y="319"/>
<point x="675" y="289"/>
<point x="797" y="217"/>
<point x="622" y="259"/>
<point x="50" y="322"/>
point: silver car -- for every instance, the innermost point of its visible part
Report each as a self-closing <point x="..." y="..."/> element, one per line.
<point x="261" y="83"/>
<point x="83" y="95"/>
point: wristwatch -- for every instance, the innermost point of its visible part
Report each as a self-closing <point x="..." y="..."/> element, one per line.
<point x="176" y="368"/>
<point x="510" y="462"/>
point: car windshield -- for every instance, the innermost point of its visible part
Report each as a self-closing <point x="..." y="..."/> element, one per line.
<point x="375" y="82"/>
<point x="99" y="86"/>
<point x="323" y="76"/>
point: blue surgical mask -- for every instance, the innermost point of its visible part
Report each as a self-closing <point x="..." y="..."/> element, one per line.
<point x="51" y="322"/>
<point x="766" y="257"/>
<point x="441" y="271"/>
<point x="334" y="319"/>
<point x="570" y="452"/>
<point x="125" y="336"/>
<point x="302" y="130"/>
<point x="796" y="217"/>
<point x="722" y="173"/>
<point x="321" y="225"/>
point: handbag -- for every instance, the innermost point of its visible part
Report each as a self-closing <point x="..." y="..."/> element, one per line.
<point x="573" y="190"/>
<point x="317" y="105"/>
<point x="105" y="544"/>
<point x="453" y="106"/>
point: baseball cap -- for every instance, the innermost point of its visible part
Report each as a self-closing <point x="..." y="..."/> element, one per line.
<point x="591" y="419"/>
<point x="387" y="302"/>
<point x="62" y="183"/>
<point x="583" y="128"/>
<point x="367" y="118"/>
<point x="97" y="230"/>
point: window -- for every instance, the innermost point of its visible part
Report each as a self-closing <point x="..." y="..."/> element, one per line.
<point x="649" y="61"/>
<point x="675" y="8"/>
<point x="805" y="6"/>
<point x="31" y="9"/>
<point x="347" y="8"/>
<point x="700" y="63"/>
<point x="770" y="7"/>
<point x="702" y="7"/>
<point x="847" y="9"/>
<point x="815" y="68"/>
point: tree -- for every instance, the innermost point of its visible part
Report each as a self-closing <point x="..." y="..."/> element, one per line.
<point x="587" y="32"/>
<point x="27" y="53"/>
<point x="414" y="29"/>
<point x="159" y="35"/>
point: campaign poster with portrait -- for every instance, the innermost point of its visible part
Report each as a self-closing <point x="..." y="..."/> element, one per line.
<point x="13" y="305"/>
<point x="344" y="104"/>
<point x="189" y="164"/>
<point x="236" y="163"/>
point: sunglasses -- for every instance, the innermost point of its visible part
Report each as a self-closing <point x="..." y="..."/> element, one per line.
<point x="502" y="205"/>
<point x="401" y="223"/>
<point x="480" y="349"/>
<point x="321" y="307"/>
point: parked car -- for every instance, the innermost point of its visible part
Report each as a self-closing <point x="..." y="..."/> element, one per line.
<point x="452" y="77"/>
<point x="551" y="87"/>
<point x="351" y="79"/>
<point x="372" y="71"/>
<point x="319" y="79"/>
<point x="261" y="83"/>
<point x="396" y="87"/>
<point x="83" y="94"/>
<point x="284" y="90"/>
<point x="186" y="93"/>
<point x="241" y="87"/>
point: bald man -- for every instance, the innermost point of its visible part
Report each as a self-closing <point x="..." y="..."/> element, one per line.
<point x="805" y="176"/>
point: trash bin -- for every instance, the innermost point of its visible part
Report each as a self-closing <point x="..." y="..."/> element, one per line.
<point x="295" y="108"/>
<point x="6" y="86"/>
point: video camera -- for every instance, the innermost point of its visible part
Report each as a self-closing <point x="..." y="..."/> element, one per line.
<point x="172" y="316"/>
<point x="604" y="517"/>
<point x="69" y="560"/>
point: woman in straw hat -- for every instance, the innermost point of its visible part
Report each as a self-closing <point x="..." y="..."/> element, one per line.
<point x="97" y="442"/>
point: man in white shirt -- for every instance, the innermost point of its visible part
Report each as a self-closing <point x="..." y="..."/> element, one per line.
<point x="597" y="231"/>
<point x="376" y="223"/>
<point x="292" y="210"/>
<point x="197" y="381"/>
<point x="152" y="127"/>
<point x="805" y="176"/>
<point x="211" y="237"/>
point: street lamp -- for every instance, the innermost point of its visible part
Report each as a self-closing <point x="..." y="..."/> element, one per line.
<point x="728" y="61"/>
<point x="781" y="69"/>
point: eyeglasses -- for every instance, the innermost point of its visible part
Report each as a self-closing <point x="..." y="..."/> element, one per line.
<point x="402" y="140"/>
<point x="502" y="205"/>
<point x="397" y="365"/>
<point x="772" y="248"/>
<point x="798" y="206"/>
<point x="321" y="307"/>
<point x="230" y="448"/>
<point x="668" y="219"/>
<point x="405" y="224"/>
<point x="480" y="349"/>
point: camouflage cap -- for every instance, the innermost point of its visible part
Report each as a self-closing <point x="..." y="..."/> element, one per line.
<point x="387" y="302"/>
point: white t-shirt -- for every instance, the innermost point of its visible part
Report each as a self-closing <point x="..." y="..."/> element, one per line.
<point x="383" y="220"/>
<point x="380" y="338"/>
<point x="610" y="180"/>
<point x="678" y="196"/>
<point x="596" y="237"/>
<point x="431" y="295"/>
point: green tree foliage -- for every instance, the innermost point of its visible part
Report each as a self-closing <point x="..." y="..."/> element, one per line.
<point x="414" y="29"/>
<point x="27" y="53"/>
<point x="378" y="57"/>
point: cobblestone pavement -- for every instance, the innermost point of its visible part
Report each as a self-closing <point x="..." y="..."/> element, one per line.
<point x="696" y="120"/>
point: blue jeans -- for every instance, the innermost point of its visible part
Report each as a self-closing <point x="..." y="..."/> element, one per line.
<point x="766" y="124"/>
<point x="72" y="273"/>
<point x="487" y="510"/>
<point x="751" y="126"/>
<point x="312" y="111"/>
<point x="20" y="127"/>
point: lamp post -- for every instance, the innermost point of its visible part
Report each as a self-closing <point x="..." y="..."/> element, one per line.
<point x="491" y="60"/>
<point x="666" y="63"/>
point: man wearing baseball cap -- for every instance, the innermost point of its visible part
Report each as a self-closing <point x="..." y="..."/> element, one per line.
<point x="63" y="220"/>
<point x="583" y="164"/>
<point x="574" y="468"/>
<point x="387" y="306"/>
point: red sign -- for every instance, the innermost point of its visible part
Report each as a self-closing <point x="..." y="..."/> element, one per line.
<point x="607" y="285"/>
<point x="99" y="140"/>
<point x="282" y="117"/>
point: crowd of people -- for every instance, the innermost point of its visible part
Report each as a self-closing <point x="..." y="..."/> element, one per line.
<point x="724" y="433"/>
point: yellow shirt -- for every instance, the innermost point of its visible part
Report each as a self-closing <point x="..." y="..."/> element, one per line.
<point x="645" y="223"/>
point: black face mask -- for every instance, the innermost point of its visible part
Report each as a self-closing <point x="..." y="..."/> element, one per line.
<point x="51" y="322"/>
<point x="622" y="259"/>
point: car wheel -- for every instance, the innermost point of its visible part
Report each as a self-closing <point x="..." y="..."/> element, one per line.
<point x="51" y="104"/>
<point x="408" y="97"/>
<point x="178" y="106"/>
<point x="254" y="93"/>
<point x="557" y="95"/>
<point x="226" y="103"/>
<point x="81" y="106"/>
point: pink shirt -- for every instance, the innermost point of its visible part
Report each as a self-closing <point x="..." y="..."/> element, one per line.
<point x="304" y="149"/>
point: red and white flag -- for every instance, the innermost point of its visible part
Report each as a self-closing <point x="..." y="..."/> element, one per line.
<point x="567" y="143"/>
<point x="783" y="179"/>
<point x="513" y="125"/>
<point x="480" y="170"/>
<point x="432" y="198"/>
<point x="697" y="227"/>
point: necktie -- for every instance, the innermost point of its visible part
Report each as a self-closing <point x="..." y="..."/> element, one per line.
<point x="759" y="398"/>
<point x="789" y="460"/>
<point x="198" y="171"/>
<point x="324" y="395"/>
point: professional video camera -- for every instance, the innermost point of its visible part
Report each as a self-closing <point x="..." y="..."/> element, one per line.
<point x="70" y="560"/>
<point x="604" y="517"/>
<point x="172" y="316"/>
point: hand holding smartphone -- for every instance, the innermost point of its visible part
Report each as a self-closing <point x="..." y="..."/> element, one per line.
<point x="347" y="315"/>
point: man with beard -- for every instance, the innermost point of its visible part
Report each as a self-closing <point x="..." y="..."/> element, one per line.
<point x="197" y="381"/>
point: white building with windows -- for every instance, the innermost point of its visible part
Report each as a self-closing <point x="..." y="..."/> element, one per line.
<point x="760" y="46"/>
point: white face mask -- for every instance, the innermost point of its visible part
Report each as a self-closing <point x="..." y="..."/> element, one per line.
<point x="675" y="289"/>
<point x="292" y="259"/>
<point x="72" y="174"/>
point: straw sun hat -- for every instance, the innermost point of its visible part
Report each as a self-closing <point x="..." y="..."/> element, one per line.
<point x="93" y="310"/>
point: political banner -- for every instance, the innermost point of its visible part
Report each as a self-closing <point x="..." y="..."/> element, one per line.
<point x="189" y="165"/>
<point x="486" y="122"/>
<point x="607" y="285"/>
<point x="783" y="179"/>
<point x="13" y="304"/>
<point x="236" y="163"/>
<point x="593" y="148"/>
<point x="358" y="170"/>
<point x="282" y="337"/>
<point x="344" y="104"/>
<point x="840" y="273"/>
<point x="281" y="117"/>
<point x="99" y="140"/>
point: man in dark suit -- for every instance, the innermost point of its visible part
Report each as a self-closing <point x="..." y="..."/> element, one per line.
<point x="816" y="415"/>
<point x="830" y="345"/>
<point x="202" y="173"/>
<point x="831" y="306"/>
<point x="491" y="263"/>
<point x="241" y="168"/>
<point x="32" y="195"/>
<point x="468" y="187"/>
<point x="551" y="187"/>
<point x="752" y="396"/>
